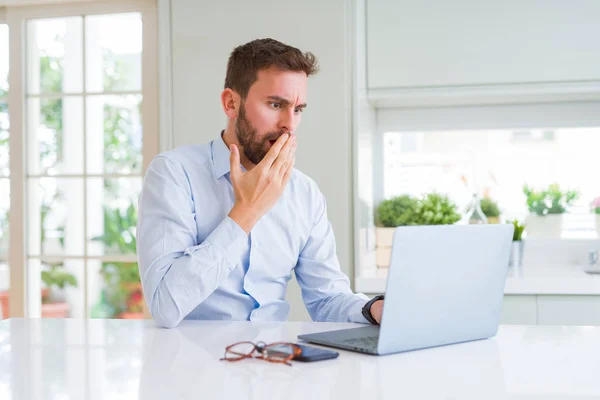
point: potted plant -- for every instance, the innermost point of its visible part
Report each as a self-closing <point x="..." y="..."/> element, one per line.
<point x="432" y="209"/>
<point x="490" y="210"/>
<point x="56" y="279"/>
<point x="595" y="207"/>
<point x="124" y="293"/>
<point x="4" y="271"/>
<point x="122" y="279"/>
<point x="546" y="208"/>
<point x="435" y="209"/>
<point x="134" y="302"/>
<point x="516" y="250"/>
<point x="391" y="213"/>
<point x="4" y="274"/>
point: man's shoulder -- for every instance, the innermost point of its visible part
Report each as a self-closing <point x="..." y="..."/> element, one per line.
<point x="189" y="156"/>
<point x="198" y="152"/>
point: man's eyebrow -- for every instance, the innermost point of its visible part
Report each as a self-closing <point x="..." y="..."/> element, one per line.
<point x="285" y="101"/>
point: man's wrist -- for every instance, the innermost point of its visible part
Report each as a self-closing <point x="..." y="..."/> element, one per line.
<point x="243" y="217"/>
<point x="366" y="310"/>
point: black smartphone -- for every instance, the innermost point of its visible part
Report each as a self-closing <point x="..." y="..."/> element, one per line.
<point x="310" y="353"/>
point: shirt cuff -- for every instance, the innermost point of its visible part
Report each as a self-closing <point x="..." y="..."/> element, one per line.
<point x="229" y="238"/>
<point x="355" y="314"/>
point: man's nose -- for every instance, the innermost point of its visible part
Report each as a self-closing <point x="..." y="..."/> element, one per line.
<point x="288" y="120"/>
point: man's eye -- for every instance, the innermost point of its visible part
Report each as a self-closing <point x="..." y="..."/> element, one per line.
<point x="275" y="105"/>
<point x="298" y="110"/>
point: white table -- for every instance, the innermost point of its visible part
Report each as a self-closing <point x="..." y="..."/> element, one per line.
<point x="120" y="359"/>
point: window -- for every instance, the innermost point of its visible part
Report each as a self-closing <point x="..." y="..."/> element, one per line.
<point x="89" y="124"/>
<point x="4" y="173"/>
<point x="497" y="164"/>
<point x="493" y="150"/>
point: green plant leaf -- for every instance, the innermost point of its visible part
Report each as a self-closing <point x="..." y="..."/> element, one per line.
<point x="436" y="209"/>
<point x="518" y="231"/>
<point x="490" y="208"/>
<point x="57" y="277"/>
<point x="551" y="200"/>
<point x="397" y="211"/>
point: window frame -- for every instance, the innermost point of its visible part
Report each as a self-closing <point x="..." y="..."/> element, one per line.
<point x="17" y="17"/>
<point x="578" y="112"/>
<point x="4" y="22"/>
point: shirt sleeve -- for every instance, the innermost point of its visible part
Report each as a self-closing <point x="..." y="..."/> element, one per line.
<point x="325" y="288"/>
<point x="177" y="273"/>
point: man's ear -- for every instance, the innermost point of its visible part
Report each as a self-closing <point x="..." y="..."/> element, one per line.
<point x="230" y="100"/>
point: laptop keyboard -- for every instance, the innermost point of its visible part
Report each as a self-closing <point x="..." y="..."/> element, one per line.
<point x="369" y="342"/>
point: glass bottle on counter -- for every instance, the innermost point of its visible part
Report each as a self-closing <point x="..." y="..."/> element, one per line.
<point x="474" y="214"/>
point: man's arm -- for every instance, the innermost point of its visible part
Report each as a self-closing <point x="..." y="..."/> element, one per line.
<point x="177" y="273"/>
<point x="325" y="288"/>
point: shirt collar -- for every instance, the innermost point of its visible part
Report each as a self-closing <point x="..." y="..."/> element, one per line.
<point x="220" y="155"/>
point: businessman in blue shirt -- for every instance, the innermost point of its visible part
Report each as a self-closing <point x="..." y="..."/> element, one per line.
<point x="222" y="225"/>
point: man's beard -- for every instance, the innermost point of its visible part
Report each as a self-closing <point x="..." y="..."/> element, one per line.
<point x="254" y="150"/>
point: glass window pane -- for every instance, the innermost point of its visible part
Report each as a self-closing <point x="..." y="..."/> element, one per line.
<point x="62" y="285"/>
<point x="55" y="55"/>
<point x="4" y="153"/>
<point x="112" y="215"/>
<point x="4" y="303"/>
<point x="3" y="60"/>
<point x="497" y="164"/>
<point x="113" y="52"/>
<point x="55" y="129"/>
<point x="4" y="270"/>
<point x="114" y="134"/>
<point x="4" y="171"/>
<point x="114" y="290"/>
<point x="55" y="216"/>
<point x="4" y="207"/>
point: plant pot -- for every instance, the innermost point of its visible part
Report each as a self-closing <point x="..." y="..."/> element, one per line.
<point x="383" y="246"/>
<point x="516" y="253"/>
<point x="4" y="305"/>
<point x="45" y="293"/>
<point x="55" y="310"/>
<point x="384" y="237"/>
<point x="598" y="224"/>
<point x="383" y="256"/>
<point x="543" y="226"/>
<point x="131" y="315"/>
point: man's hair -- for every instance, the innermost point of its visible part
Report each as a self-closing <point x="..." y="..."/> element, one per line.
<point x="246" y="60"/>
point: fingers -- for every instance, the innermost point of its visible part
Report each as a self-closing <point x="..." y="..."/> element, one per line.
<point x="285" y="156"/>
<point x="288" y="172"/>
<point x="274" y="151"/>
<point x="234" y="163"/>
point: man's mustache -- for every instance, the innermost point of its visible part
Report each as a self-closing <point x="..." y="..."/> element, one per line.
<point x="274" y="136"/>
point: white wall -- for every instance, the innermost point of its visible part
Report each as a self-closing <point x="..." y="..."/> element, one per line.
<point x="203" y="35"/>
<point x="417" y="43"/>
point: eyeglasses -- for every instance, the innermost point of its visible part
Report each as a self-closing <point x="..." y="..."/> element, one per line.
<point x="279" y="352"/>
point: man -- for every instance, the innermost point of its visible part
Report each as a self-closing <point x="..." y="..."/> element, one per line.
<point x="222" y="225"/>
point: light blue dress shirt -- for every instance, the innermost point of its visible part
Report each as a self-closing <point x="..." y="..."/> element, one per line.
<point x="197" y="263"/>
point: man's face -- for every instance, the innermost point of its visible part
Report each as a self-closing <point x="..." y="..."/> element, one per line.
<point x="273" y="106"/>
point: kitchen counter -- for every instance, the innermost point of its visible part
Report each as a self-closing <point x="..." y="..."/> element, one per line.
<point x="525" y="280"/>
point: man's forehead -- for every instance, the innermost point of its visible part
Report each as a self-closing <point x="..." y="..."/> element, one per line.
<point x="290" y="85"/>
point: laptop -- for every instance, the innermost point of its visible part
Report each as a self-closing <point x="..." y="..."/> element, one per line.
<point x="445" y="285"/>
